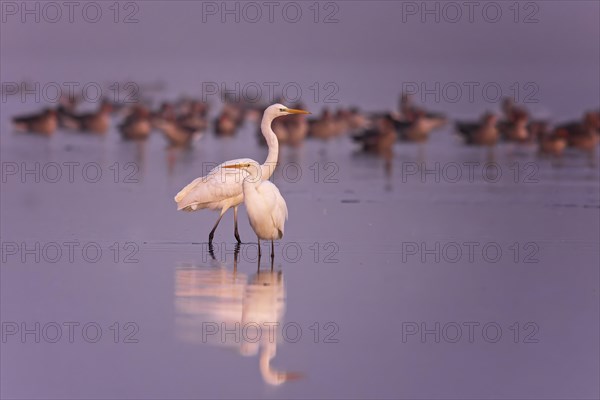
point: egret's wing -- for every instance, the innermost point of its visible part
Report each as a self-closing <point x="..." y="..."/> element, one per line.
<point x="189" y="187"/>
<point x="212" y="188"/>
<point x="274" y="202"/>
<point x="218" y="185"/>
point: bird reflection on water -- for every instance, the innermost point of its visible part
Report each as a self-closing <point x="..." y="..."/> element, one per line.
<point x="231" y="300"/>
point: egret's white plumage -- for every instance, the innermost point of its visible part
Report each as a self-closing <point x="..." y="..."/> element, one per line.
<point x="221" y="188"/>
<point x="266" y="207"/>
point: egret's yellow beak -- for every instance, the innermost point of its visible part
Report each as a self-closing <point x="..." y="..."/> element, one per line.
<point x="238" y="166"/>
<point x="295" y="111"/>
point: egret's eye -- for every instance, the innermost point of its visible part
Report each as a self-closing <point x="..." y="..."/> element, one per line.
<point x="282" y="109"/>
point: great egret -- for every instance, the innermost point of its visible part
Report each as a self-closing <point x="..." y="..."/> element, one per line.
<point x="222" y="188"/>
<point x="291" y="130"/>
<point x="266" y="207"/>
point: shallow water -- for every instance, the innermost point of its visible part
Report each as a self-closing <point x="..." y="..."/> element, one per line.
<point x="451" y="272"/>
<point x="397" y="284"/>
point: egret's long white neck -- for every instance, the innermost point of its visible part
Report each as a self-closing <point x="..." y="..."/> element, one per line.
<point x="253" y="179"/>
<point x="270" y="163"/>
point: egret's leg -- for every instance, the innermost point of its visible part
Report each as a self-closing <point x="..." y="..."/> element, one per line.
<point x="211" y="235"/>
<point x="258" y="247"/>
<point x="272" y="250"/>
<point x="236" y="233"/>
<point x="236" y="254"/>
<point x="211" y="251"/>
<point x="236" y="251"/>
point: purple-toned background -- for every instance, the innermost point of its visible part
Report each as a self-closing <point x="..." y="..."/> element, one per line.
<point x="352" y="230"/>
<point x="369" y="52"/>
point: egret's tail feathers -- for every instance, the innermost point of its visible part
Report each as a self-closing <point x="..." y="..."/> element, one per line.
<point x="188" y="207"/>
<point x="183" y="192"/>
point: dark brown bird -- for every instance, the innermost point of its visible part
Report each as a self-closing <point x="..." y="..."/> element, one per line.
<point x="483" y="133"/>
<point x="552" y="143"/>
<point x="136" y="125"/>
<point x="94" y="122"/>
<point x="44" y="123"/>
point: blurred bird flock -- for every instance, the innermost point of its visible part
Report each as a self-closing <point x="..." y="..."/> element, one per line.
<point x="183" y="123"/>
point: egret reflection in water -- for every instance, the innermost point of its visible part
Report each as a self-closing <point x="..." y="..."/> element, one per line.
<point x="213" y="299"/>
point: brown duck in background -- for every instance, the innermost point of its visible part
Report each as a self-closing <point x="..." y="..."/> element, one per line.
<point x="414" y="123"/>
<point x="517" y="130"/>
<point x="195" y="119"/>
<point x="44" y="123"/>
<point x="94" y="122"/>
<point x="552" y="143"/>
<point x="380" y="139"/>
<point x="176" y="134"/>
<point x="136" y="125"/>
<point x="357" y="121"/>
<point x="165" y="111"/>
<point x="65" y="111"/>
<point x="324" y="127"/>
<point x="517" y="125"/>
<point x="225" y="124"/>
<point x="229" y="120"/>
<point x="482" y="133"/>
<point x="583" y="135"/>
<point x="421" y="126"/>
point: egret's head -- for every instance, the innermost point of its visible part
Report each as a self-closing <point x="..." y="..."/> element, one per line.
<point x="277" y="110"/>
<point x="252" y="168"/>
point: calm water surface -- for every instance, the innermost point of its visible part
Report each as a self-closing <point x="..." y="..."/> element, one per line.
<point x="391" y="282"/>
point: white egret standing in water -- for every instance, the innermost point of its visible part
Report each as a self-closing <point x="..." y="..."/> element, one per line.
<point x="222" y="188"/>
<point x="266" y="207"/>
